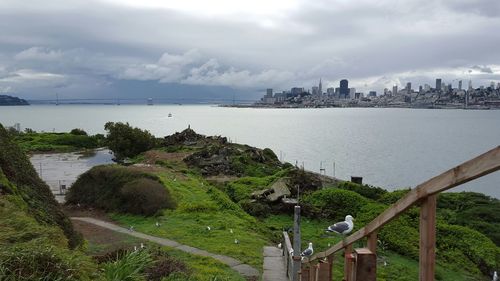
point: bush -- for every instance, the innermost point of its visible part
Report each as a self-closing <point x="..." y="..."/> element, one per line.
<point x="129" y="268"/>
<point x="367" y="191"/>
<point x="390" y="198"/>
<point x="120" y="189"/>
<point x="78" y="132"/>
<point x="256" y="209"/>
<point x="333" y="203"/>
<point x="145" y="197"/>
<point x="164" y="267"/>
<point x="38" y="260"/>
<point x="126" y="141"/>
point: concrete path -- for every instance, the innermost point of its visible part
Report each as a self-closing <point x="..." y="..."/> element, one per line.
<point x="243" y="269"/>
<point x="274" y="265"/>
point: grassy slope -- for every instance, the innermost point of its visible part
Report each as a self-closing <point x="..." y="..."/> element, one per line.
<point x="198" y="209"/>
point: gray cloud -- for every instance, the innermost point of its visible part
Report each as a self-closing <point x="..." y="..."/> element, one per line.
<point x="374" y="43"/>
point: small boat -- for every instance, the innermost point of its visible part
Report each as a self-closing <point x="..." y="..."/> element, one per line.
<point x="170" y="115"/>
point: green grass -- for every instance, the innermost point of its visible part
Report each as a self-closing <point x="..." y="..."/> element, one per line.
<point x="202" y="205"/>
<point x="55" y="142"/>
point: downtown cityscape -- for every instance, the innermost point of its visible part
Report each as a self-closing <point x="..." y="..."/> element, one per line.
<point x="440" y="95"/>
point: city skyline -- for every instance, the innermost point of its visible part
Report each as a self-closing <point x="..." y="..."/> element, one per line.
<point x="93" y="48"/>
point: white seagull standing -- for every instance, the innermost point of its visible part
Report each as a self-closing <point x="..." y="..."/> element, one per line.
<point x="495" y="276"/>
<point x="308" y="252"/>
<point x="343" y="227"/>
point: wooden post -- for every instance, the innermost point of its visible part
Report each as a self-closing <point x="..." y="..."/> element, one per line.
<point x="324" y="271"/>
<point x="366" y="265"/>
<point x="427" y="260"/>
<point x="348" y="263"/>
<point x="372" y="242"/>
<point x="296" y="244"/>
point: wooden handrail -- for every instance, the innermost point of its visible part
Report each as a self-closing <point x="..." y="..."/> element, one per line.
<point x="482" y="165"/>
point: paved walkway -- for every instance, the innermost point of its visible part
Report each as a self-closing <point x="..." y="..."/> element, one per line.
<point x="274" y="265"/>
<point x="243" y="269"/>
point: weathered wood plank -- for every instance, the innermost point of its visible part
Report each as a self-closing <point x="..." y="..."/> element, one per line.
<point x="348" y="263"/>
<point x="484" y="164"/>
<point x="366" y="265"/>
<point x="372" y="242"/>
<point x="427" y="260"/>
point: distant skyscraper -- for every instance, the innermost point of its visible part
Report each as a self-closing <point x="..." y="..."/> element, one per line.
<point x="420" y="89"/>
<point x="470" y="85"/>
<point x="460" y="85"/>
<point x="315" y="90"/>
<point x="344" y="88"/>
<point x="372" y="94"/>
<point x="320" y="87"/>
<point x="269" y="93"/>
<point x="438" y="84"/>
<point x="408" y="87"/>
<point x="352" y="93"/>
<point x="394" y="90"/>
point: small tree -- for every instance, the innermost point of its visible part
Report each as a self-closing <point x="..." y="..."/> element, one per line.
<point x="126" y="141"/>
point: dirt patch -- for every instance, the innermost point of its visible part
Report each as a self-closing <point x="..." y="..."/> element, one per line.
<point x="102" y="240"/>
<point x="152" y="156"/>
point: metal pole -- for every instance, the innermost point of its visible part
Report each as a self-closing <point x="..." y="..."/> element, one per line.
<point x="41" y="170"/>
<point x="296" y="244"/>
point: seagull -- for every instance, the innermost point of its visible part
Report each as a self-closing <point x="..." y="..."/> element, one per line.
<point x="344" y="227"/>
<point x="495" y="276"/>
<point x="236" y="241"/>
<point x="135" y="248"/>
<point x="209" y="228"/>
<point x="279" y="245"/>
<point x="142" y="246"/>
<point x="231" y="230"/>
<point x="158" y="224"/>
<point x="308" y="252"/>
<point x="131" y="228"/>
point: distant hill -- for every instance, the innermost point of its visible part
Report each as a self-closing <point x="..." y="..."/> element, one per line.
<point x="9" y="100"/>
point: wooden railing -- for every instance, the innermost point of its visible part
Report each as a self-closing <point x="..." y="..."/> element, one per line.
<point x="360" y="264"/>
<point x="288" y="254"/>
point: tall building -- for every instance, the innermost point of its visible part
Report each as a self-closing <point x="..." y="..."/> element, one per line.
<point x="420" y="89"/>
<point x="394" y="90"/>
<point x="344" y="88"/>
<point x="315" y="90"/>
<point x="460" y="85"/>
<point x="269" y="93"/>
<point x="470" y="85"/>
<point x="352" y="93"/>
<point x="408" y="87"/>
<point x="438" y="84"/>
<point x="320" y="88"/>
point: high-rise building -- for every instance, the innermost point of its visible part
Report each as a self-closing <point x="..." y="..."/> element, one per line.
<point x="344" y="88"/>
<point x="470" y="85"/>
<point x="315" y="90"/>
<point x="460" y="85"/>
<point x="386" y="91"/>
<point x="352" y="93"/>
<point x="320" y="88"/>
<point x="372" y="94"/>
<point x="330" y="91"/>
<point x="408" y="87"/>
<point x="269" y="93"/>
<point x="394" y="90"/>
<point x="438" y="84"/>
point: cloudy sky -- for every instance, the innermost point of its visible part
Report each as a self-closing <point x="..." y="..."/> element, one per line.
<point x="109" y="48"/>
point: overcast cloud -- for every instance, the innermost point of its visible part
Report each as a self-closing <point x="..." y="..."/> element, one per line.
<point x="83" y="48"/>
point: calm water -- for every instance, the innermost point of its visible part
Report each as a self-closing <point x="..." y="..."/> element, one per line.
<point x="391" y="148"/>
<point x="60" y="170"/>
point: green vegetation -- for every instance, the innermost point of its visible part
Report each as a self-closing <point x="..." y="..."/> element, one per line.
<point x="126" y="141"/>
<point x="33" y="142"/>
<point x="120" y="189"/>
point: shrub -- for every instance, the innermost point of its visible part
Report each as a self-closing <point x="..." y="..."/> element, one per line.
<point x="367" y="191"/>
<point x="38" y="260"/>
<point x="78" y="132"/>
<point x="333" y="203"/>
<point x="255" y="208"/>
<point x="390" y="198"/>
<point x="164" y="267"/>
<point x="145" y="197"/>
<point x="126" y="141"/>
<point x="121" y="189"/>
<point x="129" y="268"/>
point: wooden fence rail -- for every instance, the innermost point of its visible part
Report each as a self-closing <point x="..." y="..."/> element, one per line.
<point x="425" y="194"/>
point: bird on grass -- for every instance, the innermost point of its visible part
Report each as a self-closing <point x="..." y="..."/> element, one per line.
<point x="142" y="246"/>
<point x="131" y="228"/>
<point x="135" y="248"/>
<point x="495" y="276"/>
<point x="231" y="231"/>
<point x="343" y="227"/>
<point x="209" y="228"/>
<point x="279" y="245"/>
<point x="236" y="241"/>
<point x="308" y="252"/>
